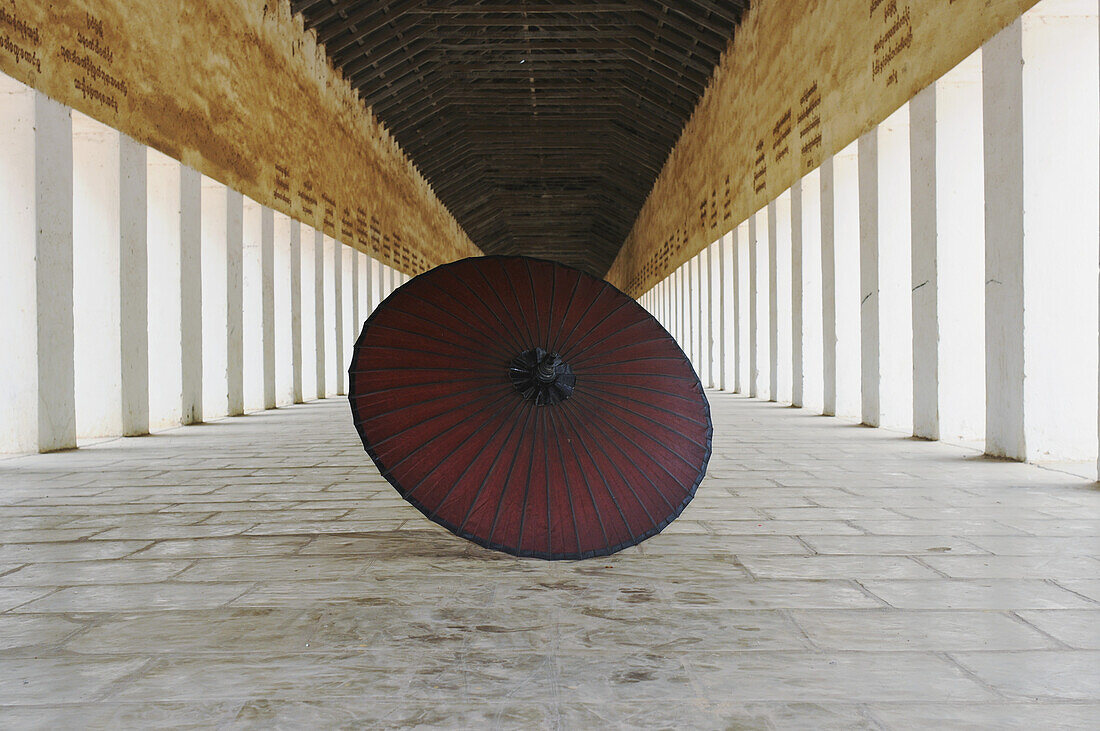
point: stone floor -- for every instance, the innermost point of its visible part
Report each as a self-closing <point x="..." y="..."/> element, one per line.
<point x="256" y="572"/>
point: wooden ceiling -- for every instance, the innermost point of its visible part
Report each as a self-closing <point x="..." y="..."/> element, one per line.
<point x="542" y="125"/>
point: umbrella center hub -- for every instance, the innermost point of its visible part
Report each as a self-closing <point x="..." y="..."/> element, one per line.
<point x="542" y="377"/>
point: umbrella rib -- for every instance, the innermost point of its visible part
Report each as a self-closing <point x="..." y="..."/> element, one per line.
<point x="470" y="310"/>
<point x="426" y="337"/>
<point x="507" y="478"/>
<point x="406" y="349"/>
<point x="425" y="383"/>
<point x="550" y="309"/>
<point x="427" y="368"/>
<point x="657" y="441"/>
<point x="421" y="403"/>
<point x="643" y="416"/>
<point x="587" y="308"/>
<point x="527" y="487"/>
<point x="606" y="484"/>
<point x="639" y="388"/>
<point x="503" y="307"/>
<point x="577" y="361"/>
<point x="413" y="295"/>
<point x="546" y="479"/>
<point x="448" y="430"/>
<point x="626" y="482"/>
<point x="569" y="304"/>
<point x="485" y="477"/>
<point x="588" y="487"/>
<point x="519" y="308"/>
<point x="646" y="452"/>
<point x="504" y="326"/>
<point x="605" y="318"/>
<point x="504" y="422"/>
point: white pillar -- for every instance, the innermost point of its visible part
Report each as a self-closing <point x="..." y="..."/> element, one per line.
<point x="191" y="307"/>
<point x="773" y="302"/>
<point x="164" y="297"/>
<point x="267" y="288"/>
<point x="331" y="247"/>
<point x="37" y="392"/>
<point x="869" y="276"/>
<point x="338" y="315"/>
<point x="846" y="273"/>
<point x="699" y="302"/>
<point x="725" y="341"/>
<point x="53" y="186"/>
<point x="828" y="287"/>
<point x="948" y="259"/>
<point x="1040" y="78"/>
<point x="97" y="319"/>
<point x="252" y="300"/>
<point x="283" y="350"/>
<point x="812" y="299"/>
<point x="797" y="285"/>
<point x="234" y="301"/>
<point x="134" y="286"/>
<point x="309" y="312"/>
<point x="753" y="278"/>
<point x="714" y="307"/>
<point x="780" y="234"/>
<point x="319" y="310"/>
<point x="885" y="272"/>
<point x="356" y="293"/>
<point x="743" y="286"/>
<point x="760" y="307"/>
<point x="296" y="353"/>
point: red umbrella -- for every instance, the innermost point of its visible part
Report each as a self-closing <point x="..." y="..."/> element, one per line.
<point x="530" y="408"/>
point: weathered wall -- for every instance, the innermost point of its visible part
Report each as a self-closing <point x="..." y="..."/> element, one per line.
<point x="237" y="90"/>
<point x="801" y="80"/>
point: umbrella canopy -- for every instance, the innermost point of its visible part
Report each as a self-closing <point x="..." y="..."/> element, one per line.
<point x="530" y="408"/>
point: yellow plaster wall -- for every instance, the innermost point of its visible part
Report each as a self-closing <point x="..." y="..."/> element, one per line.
<point x="801" y="80"/>
<point x="239" y="91"/>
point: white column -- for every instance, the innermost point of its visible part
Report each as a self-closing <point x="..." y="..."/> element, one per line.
<point x="773" y="303"/>
<point x="252" y="319"/>
<point x="97" y="319"/>
<point x="714" y="307"/>
<point x="745" y="293"/>
<point x="754" y="277"/>
<point x="948" y="260"/>
<point x="702" y="324"/>
<point x="811" y="299"/>
<point x="267" y="288"/>
<point x="1040" y="78"/>
<point x="164" y="297"/>
<point x="338" y="315"/>
<point x="37" y="392"/>
<point x="192" y="318"/>
<point x="885" y="272"/>
<point x="780" y="234"/>
<point x="797" y="285"/>
<point x="134" y="286"/>
<point x="761" y="275"/>
<point x="296" y="311"/>
<point x="319" y="310"/>
<point x="331" y="308"/>
<point x="309" y="311"/>
<point x="53" y="186"/>
<point x="214" y="299"/>
<point x="356" y="293"/>
<point x="234" y="301"/>
<point x="846" y="271"/>
<point x="827" y="197"/>
<point x="725" y="342"/>
<point x="869" y="276"/>
<point x="283" y="350"/>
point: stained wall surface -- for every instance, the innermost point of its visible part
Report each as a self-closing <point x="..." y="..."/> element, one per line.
<point x="237" y="90"/>
<point x="801" y="80"/>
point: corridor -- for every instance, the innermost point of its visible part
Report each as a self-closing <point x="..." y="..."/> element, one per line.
<point x="257" y="572"/>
